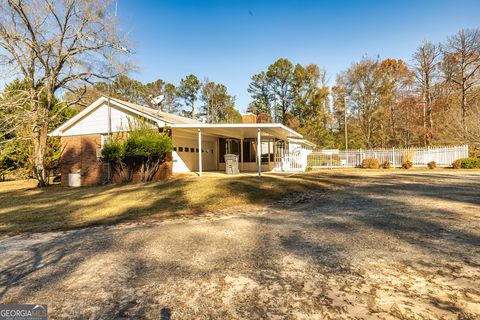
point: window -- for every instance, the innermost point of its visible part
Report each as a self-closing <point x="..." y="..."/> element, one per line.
<point x="228" y="146"/>
<point x="249" y="150"/>
<point x="192" y="149"/>
<point x="186" y="149"/>
<point x="264" y="148"/>
<point x="180" y="149"/>
<point x="175" y="149"/>
<point x="104" y="139"/>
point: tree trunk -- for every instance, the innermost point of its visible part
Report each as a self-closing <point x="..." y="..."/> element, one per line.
<point x="464" y="112"/>
<point x="40" y="132"/>
<point x="193" y="107"/>
<point x="424" y="120"/>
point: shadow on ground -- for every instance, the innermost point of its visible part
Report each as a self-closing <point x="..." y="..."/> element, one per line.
<point x="386" y="246"/>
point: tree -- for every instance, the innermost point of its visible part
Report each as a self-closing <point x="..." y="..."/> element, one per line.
<point x="14" y="137"/>
<point x="152" y="90"/>
<point x="217" y="102"/>
<point x="231" y="115"/>
<point x="461" y="64"/>
<point x="260" y="90"/>
<point x="188" y="90"/>
<point x="56" y="47"/>
<point x="425" y="68"/>
<point x="170" y="98"/>
<point x="397" y="81"/>
<point x="363" y="87"/>
<point x="280" y="75"/>
<point x="128" y="89"/>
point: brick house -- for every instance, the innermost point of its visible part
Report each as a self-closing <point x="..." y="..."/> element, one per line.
<point x="198" y="146"/>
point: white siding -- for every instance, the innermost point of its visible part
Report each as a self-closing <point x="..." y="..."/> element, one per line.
<point x="97" y="122"/>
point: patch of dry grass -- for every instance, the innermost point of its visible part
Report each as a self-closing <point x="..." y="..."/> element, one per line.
<point x="26" y="208"/>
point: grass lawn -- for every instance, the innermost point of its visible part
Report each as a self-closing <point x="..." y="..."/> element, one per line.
<point x="26" y="208"/>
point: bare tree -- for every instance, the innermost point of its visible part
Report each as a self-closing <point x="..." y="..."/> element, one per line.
<point x="57" y="46"/>
<point x="425" y="67"/>
<point x="462" y="68"/>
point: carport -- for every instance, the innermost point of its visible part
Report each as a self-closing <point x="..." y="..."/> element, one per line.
<point x="242" y="132"/>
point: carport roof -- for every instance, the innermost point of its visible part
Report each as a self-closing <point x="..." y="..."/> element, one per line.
<point x="239" y="130"/>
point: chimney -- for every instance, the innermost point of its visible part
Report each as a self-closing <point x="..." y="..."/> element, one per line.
<point x="249" y="118"/>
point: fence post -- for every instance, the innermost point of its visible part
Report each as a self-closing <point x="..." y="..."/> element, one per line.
<point x="360" y="157"/>
<point x="393" y="157"/>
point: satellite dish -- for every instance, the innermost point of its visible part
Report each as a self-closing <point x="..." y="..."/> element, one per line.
<point x="157" y="100"/>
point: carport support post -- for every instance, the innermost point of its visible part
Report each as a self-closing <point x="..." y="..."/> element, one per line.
<point x="241" y="153"/>
<point x="199" y="152"/>
<point x="259" y="153"/>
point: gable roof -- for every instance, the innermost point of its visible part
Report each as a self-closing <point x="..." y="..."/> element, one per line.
<point x="149" y="113"/>
<point x="160" y="115"/>
<point x="240" y="130"/>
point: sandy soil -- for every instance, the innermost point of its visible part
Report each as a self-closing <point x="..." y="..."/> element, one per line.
<point x="380" y="246"/>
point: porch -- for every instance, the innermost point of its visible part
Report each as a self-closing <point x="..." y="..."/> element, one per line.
<point x="259" y="147"/>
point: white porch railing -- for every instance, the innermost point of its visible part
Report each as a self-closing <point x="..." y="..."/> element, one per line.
<point x="290" y="162"/>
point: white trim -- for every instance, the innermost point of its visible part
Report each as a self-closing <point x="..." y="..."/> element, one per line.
<point x="99" y="102"/>
<point x="302" y="141"/>
<point x="236" y="125"/>
<point x="77" y="117"/>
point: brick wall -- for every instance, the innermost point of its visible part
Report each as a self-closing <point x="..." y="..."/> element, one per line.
<point x="80" y="156"/>
<point x="249" y="118"/>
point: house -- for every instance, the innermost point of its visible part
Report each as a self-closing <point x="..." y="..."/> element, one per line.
<point x="198" y="146"/>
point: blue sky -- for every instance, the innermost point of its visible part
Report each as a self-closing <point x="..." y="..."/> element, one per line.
<point x="229" y="41"/>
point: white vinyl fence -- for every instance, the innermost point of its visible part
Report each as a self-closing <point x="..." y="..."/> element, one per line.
<point x="290" y="162"/>
<point x="443" y="156"/>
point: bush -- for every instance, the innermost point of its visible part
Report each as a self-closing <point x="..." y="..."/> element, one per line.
<point x="370" y="163"/>
<point x="457" y="164"/>
<point x="466" y="163"/>
<point x="144" y="150"/>
<point x="408" y="155"/>
<point x="432" y="165"/>
<point x="407" y="164"/>
<point x="386" y="165"/>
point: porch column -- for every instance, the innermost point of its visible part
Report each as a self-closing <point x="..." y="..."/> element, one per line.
<point x="241" y="153"/>
<point x="259" y="153"/>
<point x="199" y="152"/>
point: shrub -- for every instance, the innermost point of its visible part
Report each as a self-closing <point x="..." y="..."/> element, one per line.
<point x="457" y="164"/>
<point x="408" y="155"/>
<point x="467" y="163"/>
<point x="407" y="164"/>
<point x="370" y="163"/>
<point x="144" y="150"/>
<point x="114" y="153"/>
<point x="386" y="165"/>
<point x="432" y="165"/>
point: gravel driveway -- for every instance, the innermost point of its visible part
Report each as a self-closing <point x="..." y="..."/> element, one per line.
<point x="386" y="246"/>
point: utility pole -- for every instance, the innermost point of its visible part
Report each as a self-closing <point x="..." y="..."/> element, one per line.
<point x="345" y="116"/>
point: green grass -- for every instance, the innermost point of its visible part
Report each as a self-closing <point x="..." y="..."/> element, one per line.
<point x="26" y="208"/>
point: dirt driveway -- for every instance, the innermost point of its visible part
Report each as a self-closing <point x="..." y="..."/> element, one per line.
<point x="386" y="246"/>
